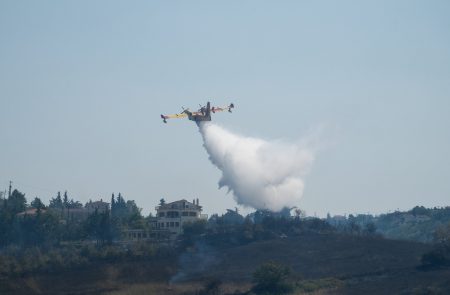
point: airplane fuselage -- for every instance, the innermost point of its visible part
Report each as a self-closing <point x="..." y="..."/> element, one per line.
<point x="203" y="114"/>
<point x="198" y="118"/>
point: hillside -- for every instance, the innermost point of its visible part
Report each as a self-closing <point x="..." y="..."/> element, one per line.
<point x="372" y="265"/>
<point x="314" y="256"/>
<point x="334" y="263"/>
<point x="417" y="224"/>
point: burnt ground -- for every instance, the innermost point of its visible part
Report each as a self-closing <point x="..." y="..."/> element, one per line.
<point x="354" y="265"/>
<point x="369" y="265"/>
<point x="315" y="256"/>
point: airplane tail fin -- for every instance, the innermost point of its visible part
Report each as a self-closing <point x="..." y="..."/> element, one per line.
<point x="164" y="118"/>
<point x="208" y="109"/>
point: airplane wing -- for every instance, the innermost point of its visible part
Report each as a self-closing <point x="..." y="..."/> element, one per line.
<point x="174" y="116"/>
<point x="223" y="108"/>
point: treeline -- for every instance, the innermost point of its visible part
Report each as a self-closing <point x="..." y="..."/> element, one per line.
<point x="233" y="229"/>
<point x="417" y="224"/>
<point x="64" y="219"/>
<point x="38" y="237"/>
<point x="22" y="261"/>
<point x="65" y="234"/>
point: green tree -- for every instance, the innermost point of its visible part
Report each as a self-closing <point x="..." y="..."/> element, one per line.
<point x="35" y="230"/>
<point x="16" y="202"/>
<point x="419" y="210"/>
<point x="6" y="221"/>
<point x="120" y="208"/>
<point x="56" y="202"/>
<point x="194" y="228"/>
<point x="442" y="235"/>
<point x="113" y="204"/>
<point x="65" y="200"/>
<point x="440" y="254"/>
<point x="37" y="203"/>
<point x="191" y="231"/>
<point x="272" y="278"/>
<point x="75" y="204"/>
<point x="98" y="226"/>
<point x="125" y="213"/>
<point x="352" y="226"/>
<point x="370" y="228"/>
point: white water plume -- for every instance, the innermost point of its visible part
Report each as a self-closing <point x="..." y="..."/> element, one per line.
<point x="261" y="174"/>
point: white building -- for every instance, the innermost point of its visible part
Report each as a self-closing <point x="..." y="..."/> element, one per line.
<point x="172" y="216"/>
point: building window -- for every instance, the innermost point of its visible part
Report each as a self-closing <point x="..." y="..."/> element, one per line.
<point x="185" y="213"/>
<point x="171" y="224"/>
<point x="177" y="224"/>
<point x="167" y="224"/>
<point x="162" y="224"/>
<point x="173" y="214"/>
<point x="161" y="214"/>
<point x="193" y="214"/>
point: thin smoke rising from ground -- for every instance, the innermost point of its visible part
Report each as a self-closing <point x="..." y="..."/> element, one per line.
<point x="261" y="174"/>
<point x="195" y="262"/>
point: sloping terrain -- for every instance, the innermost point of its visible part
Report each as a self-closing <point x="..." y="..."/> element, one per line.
<point x="369" y="265"/>
<point x="98" y="278"/>
<point x="315" y="256"/>
<point x="359" y="264"/>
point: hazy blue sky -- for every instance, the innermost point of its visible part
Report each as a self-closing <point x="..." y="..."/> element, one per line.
<point x="82" y="84"/>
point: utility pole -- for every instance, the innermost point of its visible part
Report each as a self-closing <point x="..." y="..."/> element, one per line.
<point x="10" y="186"/>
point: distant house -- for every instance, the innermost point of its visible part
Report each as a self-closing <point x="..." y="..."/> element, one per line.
<point x="168" y="223"/>
<point x="100" y="206"/>
<point x="152" y="234"/>
<point x="31" y="212"/>
<point x="172" y="216"/>
<point x="82" y="213"/>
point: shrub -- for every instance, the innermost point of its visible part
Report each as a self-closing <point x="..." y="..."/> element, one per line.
<point x="211" y="287"/>
<point x="440" y="256"/>
<point x="271" y="278"/>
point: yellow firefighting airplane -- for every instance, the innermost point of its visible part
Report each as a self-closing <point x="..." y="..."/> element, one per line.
<point x="203" y="114"/>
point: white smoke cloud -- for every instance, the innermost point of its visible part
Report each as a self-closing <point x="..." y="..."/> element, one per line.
<point x="261" y="174"/>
